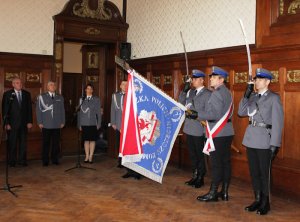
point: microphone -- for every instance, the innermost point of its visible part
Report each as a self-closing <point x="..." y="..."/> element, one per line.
<point x="12" y="96"/>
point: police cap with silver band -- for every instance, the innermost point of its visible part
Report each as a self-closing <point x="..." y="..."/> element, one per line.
<point x="197" y="73"/>
<point x="218" y="71"/>
<point x="263" y="74"/>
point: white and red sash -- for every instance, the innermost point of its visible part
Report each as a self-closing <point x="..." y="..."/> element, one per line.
<point x="209" y="145"/>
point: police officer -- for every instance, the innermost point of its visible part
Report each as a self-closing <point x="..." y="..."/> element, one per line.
<point x="116" y="122"/>
<point x="89" y="121"/>
<point x="262" y="137"/>
<point x="50" y="114"/>
<point x="218" y="116"/>
<point x="195" y="99"/>
<point x="116" y="111"/>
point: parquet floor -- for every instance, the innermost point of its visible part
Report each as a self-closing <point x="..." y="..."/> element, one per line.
<point x="50" y="194"/>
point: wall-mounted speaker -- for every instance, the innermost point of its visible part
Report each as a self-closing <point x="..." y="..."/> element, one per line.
<point x="125" y="50"/>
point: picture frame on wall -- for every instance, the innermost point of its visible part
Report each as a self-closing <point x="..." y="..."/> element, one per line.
<point x="92" y="60"/>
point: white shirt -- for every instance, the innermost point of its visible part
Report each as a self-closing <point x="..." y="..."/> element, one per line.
<point x="263" y="92"/>
<point x="51" y="94"/>
<point x="198" y="90"/>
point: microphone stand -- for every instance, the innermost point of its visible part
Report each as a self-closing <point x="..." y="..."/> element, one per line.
<point x="7" y="186"/>
<point x="78" y="164"/>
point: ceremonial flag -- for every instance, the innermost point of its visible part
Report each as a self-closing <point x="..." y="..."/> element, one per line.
<point x="150" y="124"/>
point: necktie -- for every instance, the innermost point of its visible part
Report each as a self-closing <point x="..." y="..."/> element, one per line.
<point x="122" y="100"/>
<point x="19" y="97"/>
<point x="196" y="92"/>
<point x="52" y="96"/>
<point x="259" y="95"/>
<point x="89" y="99"/>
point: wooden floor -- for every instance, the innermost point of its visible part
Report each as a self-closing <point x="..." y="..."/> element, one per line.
<point x="51" y="194"/>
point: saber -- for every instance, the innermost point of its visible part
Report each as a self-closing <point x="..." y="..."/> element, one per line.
<point x="248" y="51"/>
<point x="185" y="55"/>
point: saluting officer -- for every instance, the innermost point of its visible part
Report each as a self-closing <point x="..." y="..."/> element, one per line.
<point x="195" y="99"/>
<point x="219" y="134"/>
<point x="262" y="137"/>
<point x="50" y="114"/>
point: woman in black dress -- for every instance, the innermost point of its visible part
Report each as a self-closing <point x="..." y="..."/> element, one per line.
<point x="89" y="121"/>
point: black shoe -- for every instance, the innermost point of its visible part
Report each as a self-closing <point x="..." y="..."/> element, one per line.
<point x="12" y="165"/>
<point x="120" y="166"/>
<point x="137" y="177"/>
<point x="199" y="182"/>
<point x="255" y="205"/>
<point x="212" y="195"/>
<point x="24" y="164"/>
<point x="86" y="161"/>
<point x="55" y="163"/>
<point x="45" y="164"/>
<point x="224" y="192"/>
<point x="126" y="175"/>
<point x="264" y="207"/>
<point x="91" y="162"/>
<point x="192" y="181"/>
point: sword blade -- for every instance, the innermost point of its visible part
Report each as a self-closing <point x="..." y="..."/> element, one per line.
<point x="248" y="51"/>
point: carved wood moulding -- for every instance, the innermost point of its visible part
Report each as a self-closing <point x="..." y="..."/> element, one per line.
<point x="240" y="77"/>
<point x="83" y="10"/>
<point x="293" y="76"/>
<point x="92" y="79"/>
<point x="294" y="5"/>
<point x="167" y="79"/>
<point x="156" y="80"/>
<point x="275" y="75"/>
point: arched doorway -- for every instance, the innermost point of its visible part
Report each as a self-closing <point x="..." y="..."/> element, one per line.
<point x="99" y="26"/>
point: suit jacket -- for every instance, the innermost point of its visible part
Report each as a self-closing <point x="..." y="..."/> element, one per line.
<point x="50" y="112"/>
<point x="116" y="109"/>
<point x="90" y="112"/>
<point x="195" y="102"/>
<point x="18" y="116"/>
<point x="268" y="110"/>
<point x="218" y="104"/>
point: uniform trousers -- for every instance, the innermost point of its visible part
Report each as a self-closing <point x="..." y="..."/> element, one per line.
<point x="220" y="160"/>
<point x="50" y="137"/>
<point x="259" y="161"/>
<point x="117" y="144"/>
<point x="17" y="137"/>
<point x="195" y="146"/>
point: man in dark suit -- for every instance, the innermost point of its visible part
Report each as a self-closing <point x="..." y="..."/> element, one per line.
<point x="17" y="114"/>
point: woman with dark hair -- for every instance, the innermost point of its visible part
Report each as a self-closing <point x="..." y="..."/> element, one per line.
<point x="89" y="121"/>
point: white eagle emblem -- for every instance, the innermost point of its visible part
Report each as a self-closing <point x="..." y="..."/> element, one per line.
<point x="149" y="127"/>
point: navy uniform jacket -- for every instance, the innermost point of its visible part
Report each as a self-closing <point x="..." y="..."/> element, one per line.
<point x="218" y="104"/>
<point x="90" y="112"/>
<point x="194" y="102"/>
<point x="270" y="112"/>
<point x="50" y="112"/>
<point x="19" y="116"/>
<point x="116" y="109"/>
